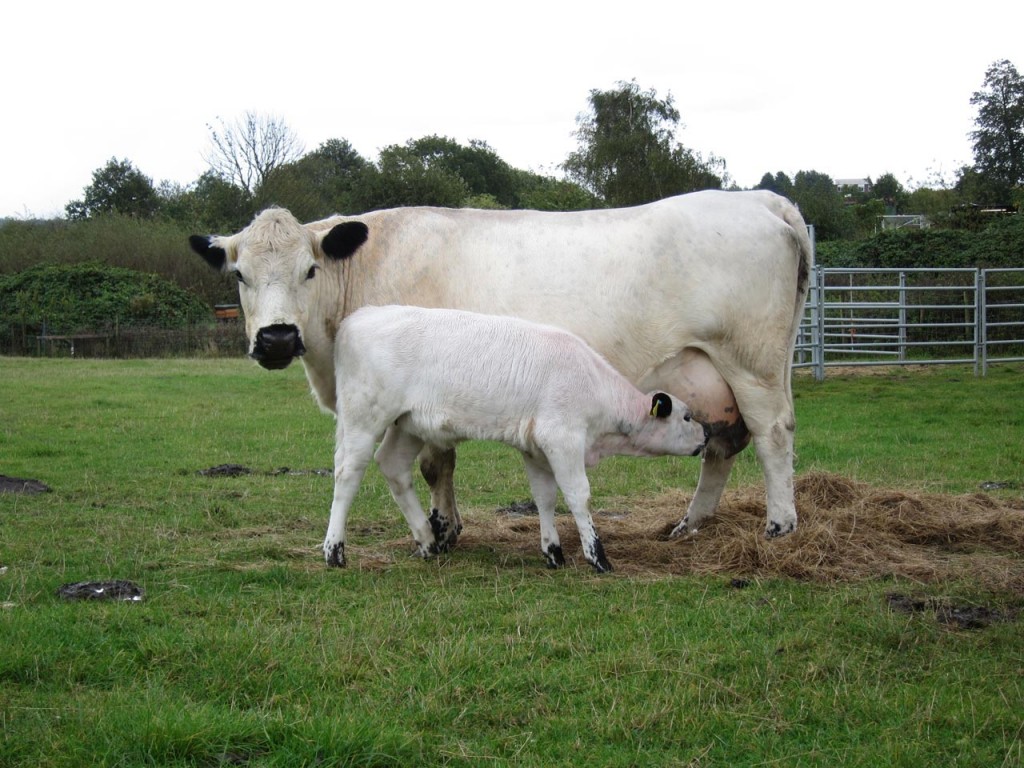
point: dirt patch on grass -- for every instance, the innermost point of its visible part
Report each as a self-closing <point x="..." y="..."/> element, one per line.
<point x="950" y="613"/>
<point x="117" y="590"/>
<point x="847" y="531"/>
<point x="21" y="485"/>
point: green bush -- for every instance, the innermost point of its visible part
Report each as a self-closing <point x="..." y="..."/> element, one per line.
<point x="1000" y="244"/>
<point x="157" y="247"/>
<point x="72" y="297"/>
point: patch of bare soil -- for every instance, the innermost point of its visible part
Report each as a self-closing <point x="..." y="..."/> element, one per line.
<point x="950" y="613"/>
<point x="20" y="485"/>
<point x="238" y="470"/>
<point x="118" y="589"/>
<point x="847" y="531"/>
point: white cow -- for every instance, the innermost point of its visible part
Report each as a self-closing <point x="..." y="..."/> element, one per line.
<point x="698" y="295"/>
<point x="415" y="376"/>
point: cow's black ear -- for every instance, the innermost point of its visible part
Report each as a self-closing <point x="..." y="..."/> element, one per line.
<point x="214" y="255"/>
<point x="344" y="239"/>
<point x="661" y="406"/>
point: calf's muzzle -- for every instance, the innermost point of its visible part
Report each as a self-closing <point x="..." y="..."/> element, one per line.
<point x="277" y="345"/>
<point x="707" y="437"/>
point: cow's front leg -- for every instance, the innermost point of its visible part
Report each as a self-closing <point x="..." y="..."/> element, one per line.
<point x="714" y="472"/>
<point x="351" y="457"/>
<point x="437" y="466"/>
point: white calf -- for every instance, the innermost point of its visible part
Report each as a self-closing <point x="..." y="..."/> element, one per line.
<point x="419" y="376"/>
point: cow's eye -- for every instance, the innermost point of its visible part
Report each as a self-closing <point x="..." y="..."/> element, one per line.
<point x="312" y="272"/>
<point x="240" y="278"/>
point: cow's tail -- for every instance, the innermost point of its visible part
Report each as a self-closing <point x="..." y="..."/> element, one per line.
<point x="803" y="250"/>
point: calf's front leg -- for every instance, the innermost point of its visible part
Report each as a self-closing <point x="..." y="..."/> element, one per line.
<point x="351" y="457"/>
<point x="571" y="476"/>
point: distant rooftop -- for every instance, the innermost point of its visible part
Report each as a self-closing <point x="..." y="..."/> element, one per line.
<point x="864" y="185"/>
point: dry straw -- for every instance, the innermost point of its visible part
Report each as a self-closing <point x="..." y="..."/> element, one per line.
<point x="847" y="531"/>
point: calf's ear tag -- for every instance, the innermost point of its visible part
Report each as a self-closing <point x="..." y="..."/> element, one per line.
<point x="661" y="406"/>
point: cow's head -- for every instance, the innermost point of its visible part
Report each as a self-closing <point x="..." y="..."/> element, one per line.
<point x="277" y="261"/>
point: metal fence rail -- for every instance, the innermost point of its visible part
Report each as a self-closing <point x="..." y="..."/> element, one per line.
<point x="860" y="317"/>
<point x="223" y="338"/>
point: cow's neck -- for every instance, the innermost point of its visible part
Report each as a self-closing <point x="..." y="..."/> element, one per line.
<point x="348" y="285"/>
<point x="327" y="307"/>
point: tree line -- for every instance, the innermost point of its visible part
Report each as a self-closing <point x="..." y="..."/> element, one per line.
<point x="627" y="154"/>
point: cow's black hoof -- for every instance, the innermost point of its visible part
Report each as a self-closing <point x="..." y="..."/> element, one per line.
<point x="775" y="530"/>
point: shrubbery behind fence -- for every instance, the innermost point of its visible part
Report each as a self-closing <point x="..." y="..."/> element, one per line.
<point x="854" y="317"/>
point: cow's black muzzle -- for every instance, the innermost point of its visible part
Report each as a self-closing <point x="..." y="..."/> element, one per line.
<point x="277" y="345"/>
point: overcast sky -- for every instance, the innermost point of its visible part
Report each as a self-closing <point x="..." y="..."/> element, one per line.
<point x="851" y="90"/>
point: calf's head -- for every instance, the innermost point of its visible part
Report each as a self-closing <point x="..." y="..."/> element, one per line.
<point x="277" y="262"/>
<point x="671" y="429"/>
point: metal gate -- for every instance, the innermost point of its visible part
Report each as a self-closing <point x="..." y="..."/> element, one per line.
<point x="861" y="317"/>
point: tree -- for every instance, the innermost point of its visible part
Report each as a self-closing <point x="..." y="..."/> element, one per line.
<point x="933" y="203"/>
<point x="999" y="137"/>
<point x="890" y="191"/>
<point x="821" y="205"/>
<point x="317" y="185"/>
<point x="546" y="193"/>
<point x="484" y="172"/>
<point x="780" y="184"/>
<point x="117" y="187"/>
<point x="627" y="151"/>
<point x="248" y="151"/>
<point x="333" y="170"/>
<point x="209" y="204"/>
<point x="401" y="177"/>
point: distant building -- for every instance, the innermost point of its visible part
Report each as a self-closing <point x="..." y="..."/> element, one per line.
<point x="861" y="185"/>
<point x="906" y="221"/>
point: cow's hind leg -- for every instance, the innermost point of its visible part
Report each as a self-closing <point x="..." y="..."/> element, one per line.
<point x="437" y="465"/>
<point x="768" y="412"/>
<point x="545" y="494"/>
<point x="775" y="452"/>
<point x="395" y="458"/>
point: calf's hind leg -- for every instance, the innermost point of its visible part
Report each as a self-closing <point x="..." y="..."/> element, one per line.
<point x="545" y="493"/>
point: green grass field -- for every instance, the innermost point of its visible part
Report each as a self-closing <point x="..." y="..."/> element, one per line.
<point x="248" y="651"/>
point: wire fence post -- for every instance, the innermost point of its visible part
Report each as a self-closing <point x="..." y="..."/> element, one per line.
<point x="902" y="330"/>
<point x="980" y="333"/>
<point x="818" y="330"/>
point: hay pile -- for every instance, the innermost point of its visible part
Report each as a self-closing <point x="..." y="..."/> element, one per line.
<point x="847" y="531"/>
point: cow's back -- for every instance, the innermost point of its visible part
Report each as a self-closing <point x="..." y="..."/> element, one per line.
<point x="638" y="284"/>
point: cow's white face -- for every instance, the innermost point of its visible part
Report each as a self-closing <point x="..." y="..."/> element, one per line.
<point x="273" y="288"/>
<point x="277" y="262"/>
